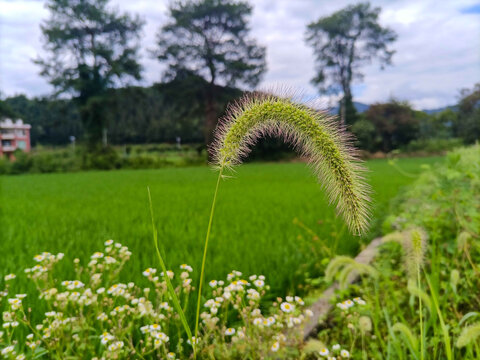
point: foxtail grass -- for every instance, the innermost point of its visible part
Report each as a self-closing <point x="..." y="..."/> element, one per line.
<point x="315" y="134"/>
<point x="468" y="335"/>
<point x="415" y="246"/>
<point x="410" y="339"/>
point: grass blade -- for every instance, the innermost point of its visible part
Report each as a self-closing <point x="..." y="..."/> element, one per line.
<point x="446" y="336"/>
<point x="171" y="290"/>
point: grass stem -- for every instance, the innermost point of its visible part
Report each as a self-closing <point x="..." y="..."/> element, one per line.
<point x="171" y="290"/>
<point x="205" y="248"/>
<point x="420" y="312"/>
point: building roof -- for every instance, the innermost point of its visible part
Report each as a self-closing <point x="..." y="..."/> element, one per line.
<point x="10" y="124"/>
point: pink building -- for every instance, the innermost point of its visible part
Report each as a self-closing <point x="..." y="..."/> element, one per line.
<point x="13" y="136"/>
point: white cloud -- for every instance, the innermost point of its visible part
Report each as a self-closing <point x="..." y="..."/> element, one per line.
<point x="437" y="47"/>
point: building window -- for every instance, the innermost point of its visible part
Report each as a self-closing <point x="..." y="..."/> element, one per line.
<point x="20" y="132"/>
<point x="6" y="143"/>
<point x="22" y="144"/>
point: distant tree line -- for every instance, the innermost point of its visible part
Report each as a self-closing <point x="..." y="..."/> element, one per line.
<point x="165" y="111"/>
<point x="135" y="115"/>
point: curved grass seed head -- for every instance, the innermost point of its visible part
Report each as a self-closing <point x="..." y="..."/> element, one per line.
<point x="314" y="133"/>
<point x="415" y="244"/>
<point x="469" y="335"/>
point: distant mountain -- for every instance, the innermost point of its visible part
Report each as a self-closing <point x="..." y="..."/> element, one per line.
<point x="361" y="108"/>
<point x="434" y="111"/>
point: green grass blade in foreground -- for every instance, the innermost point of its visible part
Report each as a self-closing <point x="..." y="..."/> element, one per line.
<point x="446" y="336"/>
<point x="171" y="290"/>
<point x="207" y="237"/>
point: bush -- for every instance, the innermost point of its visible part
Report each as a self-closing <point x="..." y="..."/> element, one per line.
<point x="445" y="199"/>
<point x="23" y="163"/>
<point x="432" y="146"/>
<point x="421" y="291"/>
<point x="127" y="157"/>
<point x="365" y="134"/>
<point x="101" y="158"/>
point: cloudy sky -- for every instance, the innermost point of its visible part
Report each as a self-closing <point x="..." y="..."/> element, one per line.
<point x="438" y="46"/>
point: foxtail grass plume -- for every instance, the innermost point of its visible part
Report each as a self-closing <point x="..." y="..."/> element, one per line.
<point x="345" y="269"/>
<point x="415" y="243"/>
<point x="454" y="279"/>
<point x="314" y="133"/>
<point x="463" y="240"/>
<point x="469" y="335"/>
<point x="407" y="334"/>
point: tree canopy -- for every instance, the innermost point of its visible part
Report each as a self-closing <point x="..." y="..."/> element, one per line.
<point x="210" y="38"/>
<point x="6" y="110"/>
<point x="395" y="123"/>
<point x="342" y="43"/>
<point x="468" y="125"/>
<point x="91" y="48"/>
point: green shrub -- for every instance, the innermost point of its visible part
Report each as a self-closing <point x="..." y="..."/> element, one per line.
<point x="366" y="136"/>
<point x="101" y="159"/>
<point x="129" y="157"/>
<point x="432" y="145"/>
<point x="4" y="166"/>
<point x="444" y="199"/>
<point x="424" y="302"/>
<point x="23" y="163"/>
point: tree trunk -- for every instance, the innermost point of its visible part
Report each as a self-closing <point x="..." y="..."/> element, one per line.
<point x="342" y="112"/>
<point x="210" y="117"/>
<point x="348" y="113"/>
<point x="104" y="137"/>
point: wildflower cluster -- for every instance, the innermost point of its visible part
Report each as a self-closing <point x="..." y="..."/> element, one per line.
<point x="93" y="315"/>
<point x="353" y="323"/>
<point x="347" y="304"/>
<point x="336" y="352"/>
<point x="248" y="327"/>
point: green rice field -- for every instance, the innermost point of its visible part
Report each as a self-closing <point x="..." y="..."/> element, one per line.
<point x="253" y="230"/>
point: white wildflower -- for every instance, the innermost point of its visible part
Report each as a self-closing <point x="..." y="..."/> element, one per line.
<point x="97" y="255"/>
<point x="186" y="267"/>
<point x="259" y="283"/>
<point x="324" y="352"/>
<point x="10" y="277"/>
<point x="275" y="346"/>
<point x="117" y="345"/>
<point x="359" y="301"/>
<point x="287" y="307"/>
<point x="106" y="338"/>
<point x="230" y="331"/>
<point x="7" y="350"/>
<point x="149" y="272"/>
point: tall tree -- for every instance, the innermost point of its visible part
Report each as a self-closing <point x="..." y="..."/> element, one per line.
<point x="468" y="123"/>
<point x="210" y="38"/>
<point x="342" y="43"/>
<point x="91" y="48"/>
